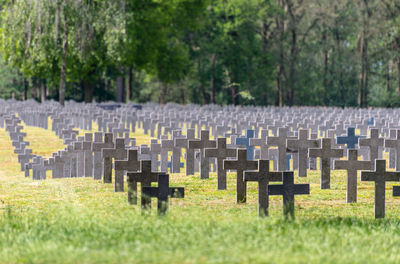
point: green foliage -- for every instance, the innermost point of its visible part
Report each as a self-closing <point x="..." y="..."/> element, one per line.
<point x="262" y="52"/>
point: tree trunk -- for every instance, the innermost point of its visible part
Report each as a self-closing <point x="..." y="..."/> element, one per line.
<point x="293" y="55"/>
<point x="88" y="90"/>
<point x="129" y="93"/>
<point x="26" y="86"/>
<point x="43" y="90"/>
<point x="280" y="24"/>
<point x="120" y="82"/>
<point x="212" y="87"/>
<point x="63" y="73"/>
<point x="163" y="93"/>
<point x="398" y="76"/>
<point x="325" y="72"/>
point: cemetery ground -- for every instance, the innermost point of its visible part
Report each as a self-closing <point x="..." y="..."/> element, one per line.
<point x="80" y="220"/>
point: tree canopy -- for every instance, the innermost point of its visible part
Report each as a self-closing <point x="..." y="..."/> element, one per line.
<point x="259" y="52"/>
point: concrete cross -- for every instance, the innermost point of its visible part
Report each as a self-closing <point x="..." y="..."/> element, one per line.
<point x="25" y="158"/>
<point x="132" y="164"/>
<point x="392" y="151"/>
<point x="88" y="154"/>
<point x="263" y="176"/>
<point x="262" y="143"/>
<point x="350" y="140"/>
<point x="58" y="166"/>
<point x="395" y="145"/>
<point x="184" y="143"/>
<point x="202" y="144"/>
<point x="241" y="164"/>
<point x="302" y="144"/>
<point x="162" y="193"/>
<point x="280" y="142"/>
<point x="97" y="147"/>
<point x="380" y="176"/>
<point x="325" y="153"/>
<point x="169" y="145"/>
<point x="288" y="190"/>
<point x="72" y="153"/>
<point x="221" y="152"/>
<point x="145" y="176"/>
<point x="352" y="165"/>
<point x="373" y="143"/>
<point x="245" y="142"/>
<point x="78" y="150"/>
<point x="155" y="151"/>
<point x="117" y="153"/>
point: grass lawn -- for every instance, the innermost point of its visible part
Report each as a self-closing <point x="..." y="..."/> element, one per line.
<point x="83" y="221"/>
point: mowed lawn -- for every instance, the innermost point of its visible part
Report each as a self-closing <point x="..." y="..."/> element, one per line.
<point x="83" y="221"/>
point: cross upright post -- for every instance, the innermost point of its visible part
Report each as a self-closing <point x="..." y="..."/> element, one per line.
<point x="350" y="140"/>
<point x="262" y="143"/>
<point x="202" y="144"/>
<point x="325" y="153"/>
<point x="352" y="165"/>
<point x="221" y="152"/>
<point x="184" y="143"/>
<point x="130" y="165"/>
<point x="117" y="153"/>
<point x="288" y="190"/>
<point x="88" y="154"/>
<point x="162" y="193"/>
<point x="373" y="143"/>
<point x="145" y="176"/>
<point x="245" y="142"/>
<point x="380" y="176"/>
<point x="97" y="146"/>
<point x="263" y="176"/>
<point x="395" y="145"/>
<point x="280" y="142"/>
<point x="241" y="164"/>
<point x="302" y="144"/>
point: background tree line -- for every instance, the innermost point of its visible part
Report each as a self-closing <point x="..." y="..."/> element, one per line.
<point x="261" y="52"/>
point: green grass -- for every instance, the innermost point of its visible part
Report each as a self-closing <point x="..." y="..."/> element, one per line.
<point x="84" y="221"/>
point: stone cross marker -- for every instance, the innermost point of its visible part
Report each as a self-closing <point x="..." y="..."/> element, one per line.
<point x="162" y="193"/>
<point x="245" y="142"/>
<point x="262" y="143"/>
<point x="117" y="153"/>
<point x="263" y="176"/>
<point x="240" y="165"/>
<point x="288" y="190"/>
<point x="325" y="153"/>
<point x="392" y="151"/>
<point x="202" y="144"/>
<point x="380" y="176"/>
<point x="145" y="176"/>
<point x="352" y="165"/>
<point x="155" y="151"/>
<point x="395" y="145"/>
<point x="350" y="140"/>
<point x="97" y="147"/>
<point x="221" y="153"/>
<point x="184" y="143"/>
<point x="79" y="160"/>
<point x="373" y="143"/>
<point x="280" y="142"/>
<point x="169" y="144"/>
<point x="25" y="158"/>
<point x="302" y="144"/>
<point x="88" y="154"/>
<point x="132" y="164"/>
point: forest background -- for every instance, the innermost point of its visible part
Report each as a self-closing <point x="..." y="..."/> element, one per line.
<point x="247" y="52"/>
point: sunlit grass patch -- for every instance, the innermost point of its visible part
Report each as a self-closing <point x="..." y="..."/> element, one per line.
<point x="83" y="221"/>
